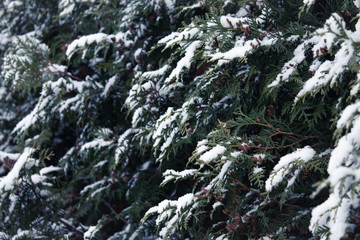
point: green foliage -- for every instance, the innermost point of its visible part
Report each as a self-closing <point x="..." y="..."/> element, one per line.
<point x="179" y="119"/>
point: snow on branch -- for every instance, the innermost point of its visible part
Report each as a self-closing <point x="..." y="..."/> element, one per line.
<point x="185" y="62"/>
<point x="286" y="166"/>
<point x="333" y="39"/>
<point x="43" y="104"/>
<point x="344" y="172"/>
<point x="190" y="33"/>
<point x="87" y="40"/>
<point x="172" y="175"/>
<point x="172" y="213"/>
<point x="7" y="182"/>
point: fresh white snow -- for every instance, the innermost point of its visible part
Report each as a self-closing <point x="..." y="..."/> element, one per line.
<point x="285" y="165"/>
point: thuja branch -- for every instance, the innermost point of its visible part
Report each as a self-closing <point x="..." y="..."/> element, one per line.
<point x="285" y="146"/>
<point x="61" y="73"/>
<point x="37" y="195"/>
<point x="278" y="131"/>
<point x="243" y="186"/>
<point x="247" y="147"/>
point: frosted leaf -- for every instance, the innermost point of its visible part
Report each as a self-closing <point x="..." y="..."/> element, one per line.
<point x="49" y="169"/>
<point x="171" y="212"/>
<point x="329" y="71"/>
<point x="257" y="170"/>
<point x="110" y="83"/>
<point x="357" y="3"/>
<point x="212" y="154"/>
<point x="86" y="40"/>
<point x="7" y="182"/>
<point x="169" y="38"/>
<point x="36" y="178"/>
<point x="243" y="11"/>
<point x="343" y="170"/>
<point x="159" y="72"/>
<point x="93" y="186"/>
<point x="100" y="164"/>
<point x="324" y="39"/>
<point x="309" y="2"/>
<point x="348" y="143"/>
<point x="334" y="213"/>
<point x="240" y="50"/>
<point x="172" y="175"/>
<point x="289" y="67"/>
<point x="145" y="166"/>
<point x="22" y="234"/>
<point x="138" y="115"/>
<point x="167" y="128"/>
<point x="231" y="22"/>
<point x="170" y="4"/>
<point x="123" y="144"/>
<point x="66" y="105"/>
<point x="201" y="149"/>
<point x="184" y="201"/>
<point x="55" y="68"/>
<point x="266" y="238"/>
<point x="196" y="5"/>
<point x="12" y="5"/>
<point x="356" y="87"/>
<point x="260" y="157"/>
<point x="90" y="233"/>
<point x="189" y="33"/>
<point x="185" y="62"/>
<point x="124" y="38"/>
<point x="13" y="199"/>
<point x="96" y="143"/>
<point x="66" y="6"/>
<point x="137" y="54"/>
<point x="45" y="102"/>
<point x="217" y="204"/>
<point x="221" y="178"/>
<point x="4" y="235"/>
<point x="222" y="237"/>
<point x="93" y="194"/>
<point x="5" y="38"/>
<point x="346" y="115"/>
<point x="16" y="63"/>
<point x="235" y="154"/>
<point x="285" y="167"/>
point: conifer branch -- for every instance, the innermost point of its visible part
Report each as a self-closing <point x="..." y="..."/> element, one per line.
<point x="50" y="63"/>
<point x="145" y="94"/>
<point x="285" y="146"/>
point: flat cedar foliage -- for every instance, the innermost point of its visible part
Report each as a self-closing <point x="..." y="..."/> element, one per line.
<point x="174" y="119"/>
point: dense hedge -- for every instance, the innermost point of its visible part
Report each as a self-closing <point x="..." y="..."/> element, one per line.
<point x="172" y="119"/>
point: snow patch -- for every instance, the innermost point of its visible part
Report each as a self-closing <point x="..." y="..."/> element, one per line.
<point x="90" y="233"/>
<point x="110" y="83"/>
<point x="7" y="182"/>
<point x="86" y="40"/>
<point x="285" y="165"/>
<point x="212" y="154"/>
